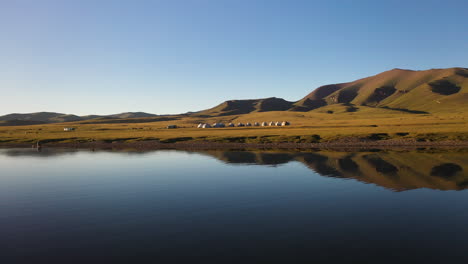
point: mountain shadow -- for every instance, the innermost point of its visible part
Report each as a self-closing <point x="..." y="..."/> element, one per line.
<point x="446" y="170"/>
<point x="380" y="94"/>
<point x="444" y="87"/>
<point x="380" y="164"/>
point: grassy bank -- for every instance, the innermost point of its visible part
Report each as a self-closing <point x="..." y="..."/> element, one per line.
<point x="310" y="127"/>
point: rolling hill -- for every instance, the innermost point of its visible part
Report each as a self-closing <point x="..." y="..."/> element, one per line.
<point x="396" y="91"/>
<point x="435" y="90"/>
<point x="51" y="117"/>
<point x="429" y="91"/>
<point x="46" y="117"/>
<point x="130" y="115"/>
<point x="238" y="107"/>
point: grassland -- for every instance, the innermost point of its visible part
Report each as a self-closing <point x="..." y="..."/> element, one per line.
<point x="327" y="124"/>
<point x="396" y="105"/>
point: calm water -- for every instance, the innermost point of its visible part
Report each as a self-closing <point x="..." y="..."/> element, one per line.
<point x="238" y="206"/>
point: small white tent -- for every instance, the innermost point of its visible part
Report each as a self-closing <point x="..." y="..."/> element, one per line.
<point x="240" y="124"/>
<point x="256" y="124"/>
<point x="264" y="124"/>
<point x="200" y="125"/>
<point x="272" y="123"/>
<point x="218" y="125"/>
<point x="248" y="124"/>
<point x="206" y="126"/>
<point x="285" y="123"/>
<point x="231" y="125"/>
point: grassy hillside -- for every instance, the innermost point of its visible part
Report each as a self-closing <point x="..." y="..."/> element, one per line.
<point x="316" y="98"/>
<point x="40" y="117"/>
<point x="20" y="123"/>
<point x="51" y="117"/>
<point x="432" y="91"/>
<point x="237" y="107"/>
<point x="130" y="115"/>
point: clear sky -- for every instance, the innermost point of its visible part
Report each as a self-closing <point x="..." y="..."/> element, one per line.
<point x="174" y="56"/>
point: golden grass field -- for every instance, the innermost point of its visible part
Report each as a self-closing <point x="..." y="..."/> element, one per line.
<point x="364" y="123"/>
<point x="397" y="104"/>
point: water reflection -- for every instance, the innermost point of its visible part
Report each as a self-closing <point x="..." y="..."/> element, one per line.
<point x="229" y="206"/>
<point x="36" y="152"/>
<point x="396" y="170"/>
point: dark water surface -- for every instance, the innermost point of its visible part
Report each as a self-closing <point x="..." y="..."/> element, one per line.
<point x="234" y="206"/>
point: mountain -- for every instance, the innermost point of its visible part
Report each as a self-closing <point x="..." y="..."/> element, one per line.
<point x="316" y="98"/>
<point x="51" y="117"/>
<point x="45" y="117"/>
<point x="238" y="107"/>
<point x="428" y="91"/>
<point x="130" y="115"/>
<point x="21" y="123"/>
<point x="435" y="90"/>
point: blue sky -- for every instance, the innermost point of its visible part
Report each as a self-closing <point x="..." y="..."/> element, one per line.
<point x="174" y="56"/>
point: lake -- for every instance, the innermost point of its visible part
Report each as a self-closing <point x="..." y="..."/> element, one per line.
<point x="234" y="206"/>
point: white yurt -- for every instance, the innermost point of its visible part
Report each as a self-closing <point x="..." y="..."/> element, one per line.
<point x="264" y="124"/>
<point x="278" y="123"/>
<point x="200" y="125"/>
<point x="256" y="124"/>
<point x="248" y="124"/>
<point x="240" y="124"/>
<point x="231" y="125"/>
<point x="218" y="125"/>
<point x="285" y="123"/>
<point x="206" y="126"/>
<point x="272" y="123"/>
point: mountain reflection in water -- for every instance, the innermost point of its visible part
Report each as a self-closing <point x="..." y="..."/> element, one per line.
<point x="395" y="170"/>
<point x="234" y="206"/>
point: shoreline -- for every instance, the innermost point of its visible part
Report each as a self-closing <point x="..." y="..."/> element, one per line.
<point x="206" y="145"/>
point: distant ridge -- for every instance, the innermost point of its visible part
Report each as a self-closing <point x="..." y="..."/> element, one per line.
<point x="428" y="91"/>
<point x="131" y="115"/>
<point x="51" y="117"/>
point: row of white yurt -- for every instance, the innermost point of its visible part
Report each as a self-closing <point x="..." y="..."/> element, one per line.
<point x="204" y="125"/>
<point x="218" y="125"/>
